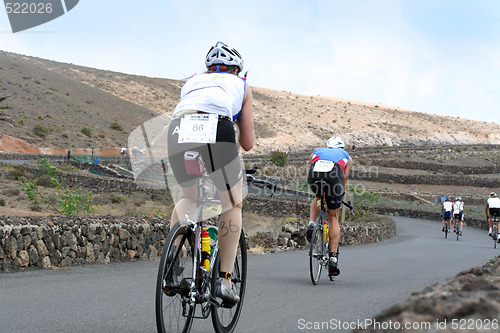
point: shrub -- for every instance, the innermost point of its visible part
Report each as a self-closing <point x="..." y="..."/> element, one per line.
<point x="45" y="181"/>
<point x="41" y="131"/>
<point x="118" y="198"/>
<point x="15" y="174"/>
<point x="116" y="126"/>
<point x="2" y="202"/>
<point x="278" y="158"/>
<point x="88" y="131"/>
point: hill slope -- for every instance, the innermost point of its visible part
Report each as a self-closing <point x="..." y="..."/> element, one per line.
<point x="62" y="99"/>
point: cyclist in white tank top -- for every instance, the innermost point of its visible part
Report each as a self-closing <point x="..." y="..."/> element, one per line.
<point x="492" y="208"/>
<point x="219" y="91"/>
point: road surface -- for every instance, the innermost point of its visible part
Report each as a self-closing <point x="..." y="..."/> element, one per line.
<point x="280" y="296"/>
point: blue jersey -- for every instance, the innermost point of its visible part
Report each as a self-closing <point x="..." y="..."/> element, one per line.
<point x="337" y="155"/>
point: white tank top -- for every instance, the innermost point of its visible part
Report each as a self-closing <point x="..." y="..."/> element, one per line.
<point x="216" y="93"/>
<point x="447" y="206"/>
<point x="494" y="202"/>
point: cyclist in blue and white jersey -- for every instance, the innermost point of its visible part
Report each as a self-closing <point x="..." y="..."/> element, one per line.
<point x="458" y="213"/>
<point x="332" y="165"/>
<point x="446" y="210"/>
<point x="492" y="208"/>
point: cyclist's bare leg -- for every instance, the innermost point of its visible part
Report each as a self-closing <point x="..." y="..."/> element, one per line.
<point x="188" y="194"/>
<point x="314" y="212"/>
<point x="230" y="226"/>
<point x="334" y="232"/>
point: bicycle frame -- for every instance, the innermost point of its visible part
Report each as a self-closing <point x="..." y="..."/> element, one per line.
<point x="197" y="289"/>
<point x="494" y="230"/>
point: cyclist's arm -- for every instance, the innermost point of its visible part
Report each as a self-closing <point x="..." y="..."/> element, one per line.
<point x="245" y="122"/>
<point x="345" y="176"/>
<point x="486" y="210"/>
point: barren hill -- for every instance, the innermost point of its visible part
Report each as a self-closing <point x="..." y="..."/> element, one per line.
<point x="46" y="104"/>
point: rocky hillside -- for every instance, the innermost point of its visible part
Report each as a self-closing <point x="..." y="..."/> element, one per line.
<point x="47" y="104"/>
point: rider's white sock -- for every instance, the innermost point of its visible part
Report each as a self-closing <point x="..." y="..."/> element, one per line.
<point x="489" y="231"/>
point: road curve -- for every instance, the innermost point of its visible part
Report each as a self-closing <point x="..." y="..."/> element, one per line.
<point x="280" y="296"/>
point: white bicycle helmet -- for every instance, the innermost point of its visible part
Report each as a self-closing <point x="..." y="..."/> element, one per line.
<point x="335" y="142"/>
<point x="221" y="54"/>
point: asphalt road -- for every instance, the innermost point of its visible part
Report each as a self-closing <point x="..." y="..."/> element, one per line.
<point x="280" y="296"/>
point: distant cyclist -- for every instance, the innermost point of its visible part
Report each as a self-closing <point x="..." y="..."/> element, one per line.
<point x="446" y="210"/>
<point x="492" y="209"/>
<point x="331" y="164"/>
<point x="458" y="213"/>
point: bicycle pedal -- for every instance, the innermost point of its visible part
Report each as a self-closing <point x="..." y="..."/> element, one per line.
<point x="228" y="305"/>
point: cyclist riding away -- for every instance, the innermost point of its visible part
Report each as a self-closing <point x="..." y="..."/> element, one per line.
<point x="446" y="210"/>
<point x="202" y="137"/>
<point x="492" y="209"/>
<point x="458" y="213"/>
<point x="332" y="165"/>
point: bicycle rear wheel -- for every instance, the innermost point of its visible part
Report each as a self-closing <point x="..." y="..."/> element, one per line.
<point x="316" y="252"/>
<point x="173" y="313"/>
<point x="494" y="235"/>
<point x="446" y="229"/>
<point x="224" y="319"/>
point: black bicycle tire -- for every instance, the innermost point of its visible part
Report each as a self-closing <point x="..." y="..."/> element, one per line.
<point x="177" y="230"/>
<point x="239" y="273"/>
<point x="495" y="237"/>
<point x="446" y="229"/>
<point x="316" y="236"/>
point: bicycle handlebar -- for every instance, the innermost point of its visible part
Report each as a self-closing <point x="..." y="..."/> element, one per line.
<point x="348" y="205"/>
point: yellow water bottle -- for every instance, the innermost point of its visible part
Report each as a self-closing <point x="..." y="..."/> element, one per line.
<point x="205" y="249"/>
<point x="326" y="229"/>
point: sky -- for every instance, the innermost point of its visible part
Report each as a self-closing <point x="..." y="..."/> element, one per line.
<point x="433" y="56"/>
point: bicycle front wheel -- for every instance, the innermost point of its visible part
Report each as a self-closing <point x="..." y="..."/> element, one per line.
<point x="316" y="252"/>
<point x="224" y="319"/>
<point x="173" y="312"/>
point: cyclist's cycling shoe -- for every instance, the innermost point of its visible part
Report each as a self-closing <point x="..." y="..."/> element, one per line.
<point x="309" y="231"/>
<point x="460" y="233"/>
<point x="227" y="294"/>
<point x="333" y="269"/>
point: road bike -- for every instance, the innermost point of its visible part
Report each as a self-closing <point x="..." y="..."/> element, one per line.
<point x="457" y="219"/>
<point x="447" y="220"/>
<point x="319" y="251"/>
<point x="188" y="275"/>
<point x="186" y="283"/>
<point x="494" y="231"/>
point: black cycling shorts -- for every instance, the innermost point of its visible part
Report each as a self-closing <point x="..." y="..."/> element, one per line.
<point x="494" y="211"/>
<point x="221" y="159"/>
<point x="333" y="189"/>
<point x="458" y="216"/>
